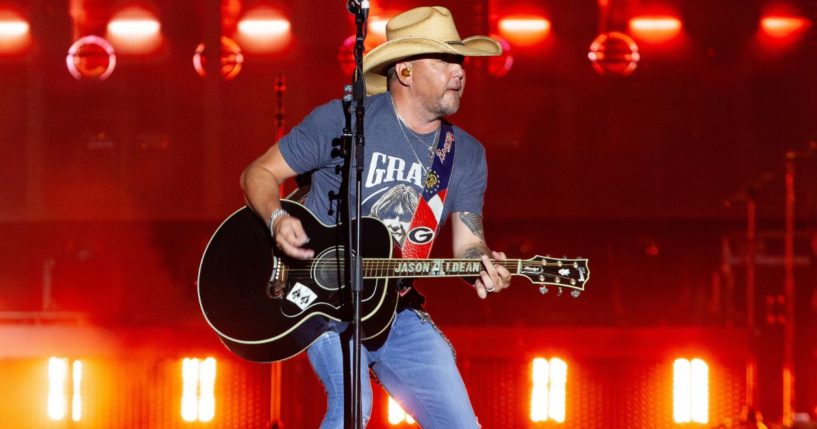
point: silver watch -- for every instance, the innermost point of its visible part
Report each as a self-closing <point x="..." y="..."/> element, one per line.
<point x="275" y="213"/>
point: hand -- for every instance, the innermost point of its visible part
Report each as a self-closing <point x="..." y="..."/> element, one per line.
<point x="290" y="237"/>
<point x="494" y="277"/>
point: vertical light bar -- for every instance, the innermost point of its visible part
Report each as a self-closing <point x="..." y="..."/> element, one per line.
<point x="690" y="391"/>
<point x="76" y="399"/>
<point x="190" y="384"/>
<point x="681" y="391"/>
<point x="207" y="384"/>
<point x="557" y="390"/>
<point x="396" y="414"/>
<point x="57" y="375"/>
<point x="539" y="390"/>
<point x="699" y="409"/>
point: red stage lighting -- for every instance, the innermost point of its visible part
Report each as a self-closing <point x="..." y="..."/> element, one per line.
<point x="500" y="66"/>
<point x="135" y="30"/>
<point x="14" y="32"/>
<point x="690" y="391"/>
<point x="548" y="387"/>
<point x="524" y="30"/>
<point x="655" y="29"/>
<point x="264" y="30"/>
<point x="396" y="414"/>
<point x="780" y="27"/>
<point x="231" y="59"/>
<point x="377" y="27"/>
<point x="614" y="53"/>
<point x="346" y="53"/>
<point x="91" y="57"/>
<point x="63" y="385"/>
<point x="198" y="389"/>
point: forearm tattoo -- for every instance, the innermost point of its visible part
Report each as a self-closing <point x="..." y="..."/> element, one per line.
<point x="474" y="222"/>
<point x="476" y="252"/>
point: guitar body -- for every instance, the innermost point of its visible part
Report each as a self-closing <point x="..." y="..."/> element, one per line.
<point x="266" y="306"/>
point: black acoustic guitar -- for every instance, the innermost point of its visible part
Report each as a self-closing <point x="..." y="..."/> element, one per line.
<point x="266" y="306"/>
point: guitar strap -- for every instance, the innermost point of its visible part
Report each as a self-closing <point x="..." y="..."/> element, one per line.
<point x="426" y="219"/>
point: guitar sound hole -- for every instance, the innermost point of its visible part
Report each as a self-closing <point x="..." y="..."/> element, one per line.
<point x="328" y="268"/>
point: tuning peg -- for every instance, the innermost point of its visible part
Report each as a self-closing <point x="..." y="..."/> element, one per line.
<point x="543" y="290"/>
<point x="575" y="293"/>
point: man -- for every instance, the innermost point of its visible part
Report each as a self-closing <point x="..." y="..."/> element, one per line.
<point x="416" y="79"/>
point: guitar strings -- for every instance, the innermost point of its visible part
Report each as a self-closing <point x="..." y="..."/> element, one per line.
<point x="385" y="264"/>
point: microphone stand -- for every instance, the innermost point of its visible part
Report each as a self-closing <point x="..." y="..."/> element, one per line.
<point x="355" y="152"/>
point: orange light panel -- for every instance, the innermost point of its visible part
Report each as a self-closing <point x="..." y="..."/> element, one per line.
<point x="700" y="391"/>
<point x="11" y="29"/>
<point x="15" y="32"/>
<point x="783" y="26"/>
<point x="690" y="391"/>
<point x="396" y="414"/>
<point x="134" y="31"/>
<point x="57" y="387"/>
<point x="207" y="390"/>
<point x="539" y="393"/>
<point x="198" y="389"/>
<point x="263" y="30"/>
<point x="76" y="399"/>
<point x="655" y="29"/>
<point x="138" y="28"/>
<point x="190" y="384"/>
<point x="524" y="30"/>
<point x="59" y="384"/>
<point x="548" y="390"/>
<point x="557" y="390"/>
<point x="263" y="27"/>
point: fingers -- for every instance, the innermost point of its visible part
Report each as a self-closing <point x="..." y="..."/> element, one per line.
<point x="290" y="238"/>
<point x="482" y="293"/>
<point x="490" y="277"/>
<point x="504" y="274"/>
<point x="494" y="277"/>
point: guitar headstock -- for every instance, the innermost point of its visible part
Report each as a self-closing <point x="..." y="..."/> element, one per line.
<point x="559" y="272"/>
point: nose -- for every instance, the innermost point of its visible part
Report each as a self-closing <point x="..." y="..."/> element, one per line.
<point x="458" y="72"/>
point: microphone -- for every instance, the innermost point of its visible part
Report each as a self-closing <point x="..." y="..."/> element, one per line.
<point x="357" y="6"/>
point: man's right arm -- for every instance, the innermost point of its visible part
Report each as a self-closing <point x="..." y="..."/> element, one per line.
<point x="260" y="182"/>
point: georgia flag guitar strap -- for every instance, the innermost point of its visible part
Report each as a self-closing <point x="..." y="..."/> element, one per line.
<point x="423" y="227"/>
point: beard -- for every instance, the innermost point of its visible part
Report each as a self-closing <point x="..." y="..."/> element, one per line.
<point x="446" y="105"/>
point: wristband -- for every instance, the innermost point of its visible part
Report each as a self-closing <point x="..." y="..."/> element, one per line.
<point x="275" y="213"/>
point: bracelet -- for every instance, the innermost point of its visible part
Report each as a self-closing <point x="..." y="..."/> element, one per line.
<point x="275" y="213"/>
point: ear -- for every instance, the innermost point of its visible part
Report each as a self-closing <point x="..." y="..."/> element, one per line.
<point x="404" y="73"/>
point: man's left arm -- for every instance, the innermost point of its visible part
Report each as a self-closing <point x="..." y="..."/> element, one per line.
<point x="469" y="243"/>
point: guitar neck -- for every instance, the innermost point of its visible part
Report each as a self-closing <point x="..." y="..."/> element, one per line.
<point x="375" y="268"/>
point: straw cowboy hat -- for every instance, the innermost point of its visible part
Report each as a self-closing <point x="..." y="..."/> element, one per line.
<point x="423" y="30"/>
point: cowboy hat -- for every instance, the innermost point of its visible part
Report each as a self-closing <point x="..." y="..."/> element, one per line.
<point x="423" y="30"/>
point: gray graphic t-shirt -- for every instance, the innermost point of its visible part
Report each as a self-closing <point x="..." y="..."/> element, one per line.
<point x="396" y="160"/>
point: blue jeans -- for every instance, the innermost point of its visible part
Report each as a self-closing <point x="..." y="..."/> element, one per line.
<point x="415" y="365"/>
